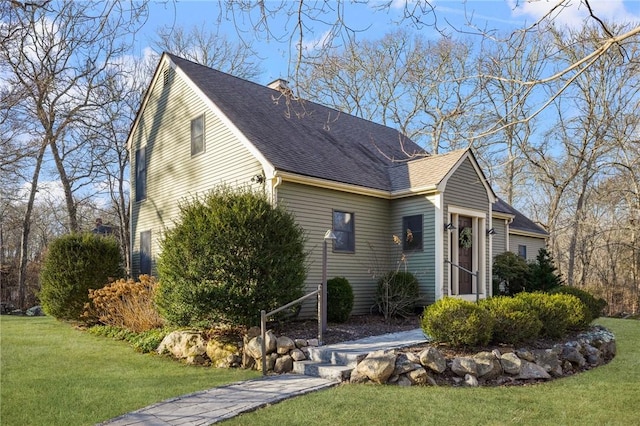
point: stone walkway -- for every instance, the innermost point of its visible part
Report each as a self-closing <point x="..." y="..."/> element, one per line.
<point x="221" y="403"/>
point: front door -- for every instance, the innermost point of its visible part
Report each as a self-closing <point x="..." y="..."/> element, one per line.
<point x="465" y="255"/>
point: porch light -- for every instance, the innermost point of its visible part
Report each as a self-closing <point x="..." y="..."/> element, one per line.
<point x="449" y="227"/>
<point x="491" y="231"/>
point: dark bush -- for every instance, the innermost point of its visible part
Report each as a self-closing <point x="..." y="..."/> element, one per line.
<point x="457" y="322"/>
<point x="510" y="274"/>
<point x="229" y="255"/>
<point x="514" y="321"/>
<point x="339" y="299"/>
<point x="595" y="305"/>
<point x="73" y="265"/>
<point x="397" y="293"/>
<point x="543" y="274"/>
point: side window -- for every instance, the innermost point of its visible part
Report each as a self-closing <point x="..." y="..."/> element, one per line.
<point x="344" y="229"/>
<point x="197" y="135"/>
<point x="141" y="174"/>
<point x="412" y="233"/>
<point x="145" y="252"/>
<point x="522" y="251"/>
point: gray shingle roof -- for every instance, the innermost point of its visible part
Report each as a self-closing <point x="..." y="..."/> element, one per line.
<point x="520" y="221"/>
<point x="304" y="137"/>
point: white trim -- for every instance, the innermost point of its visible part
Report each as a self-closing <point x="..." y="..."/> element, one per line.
<point x="437" y="201"/>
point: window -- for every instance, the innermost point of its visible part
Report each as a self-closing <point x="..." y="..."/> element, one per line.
<point x="141" y="174"/>
<point x="344" y="230"/>
<point x="412" y="233"/>
<point x="145" y="252"/>
<point x="522" y="251"/>
<point x="197" y="135"/>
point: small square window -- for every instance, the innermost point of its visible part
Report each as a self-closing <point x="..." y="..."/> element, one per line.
<point x="522" y="251"/>
<point x="344" y="230"/>
<point x="412" y="233"/>
<point x="197" y="135"/>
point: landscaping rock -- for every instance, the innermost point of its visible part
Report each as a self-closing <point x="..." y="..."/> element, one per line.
<point x="403" y="365"/>
<point x="284" y="345"/>
<point x="420" y="376"/>
<point x="462" y="366"/>
<point x="487" y="365"/>
<point x="510" y="363"/>
<point x="283" y="364"/>
<point x="470" y="380"/>
<point x="378" y="366"/>
<point x="571" y="353"/>
<point x="297" y="355"/>
<point x="547" y="359"/>
<point x="531" y="370"/>
<point x="433" y="359"/>
<point x="186" y="345"/>
<point x="223" y="355"/>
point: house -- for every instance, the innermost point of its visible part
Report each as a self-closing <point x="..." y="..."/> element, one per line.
<point x="516" y="233"/>
<point x="198" y="127"/>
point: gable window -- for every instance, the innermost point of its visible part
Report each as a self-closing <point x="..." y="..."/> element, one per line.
<point x="197" y="135"/>
<point x="412" y="233"/>
<point x="145" y="252"/>
<point x="141" y="174"/>
<point x="344" y="230"/>
<point x="522" y="251"/>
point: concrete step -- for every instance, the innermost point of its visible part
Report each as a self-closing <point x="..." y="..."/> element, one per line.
<point x="322" y="370"/>
<point x="349" y="357"/>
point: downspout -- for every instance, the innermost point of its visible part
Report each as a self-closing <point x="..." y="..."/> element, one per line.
<point x="276" y="181"/>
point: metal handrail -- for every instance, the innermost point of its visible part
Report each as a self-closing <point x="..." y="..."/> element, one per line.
<point x="263" y="322"/>
<point x="475" y="274"/>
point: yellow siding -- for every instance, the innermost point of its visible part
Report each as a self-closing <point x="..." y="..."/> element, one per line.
<point x="420" y="263"/>
<point x="172" y="173"/>
<point x="533" y="245"/>
<point x="313" y="208"/>
<point x="465" y="189"/>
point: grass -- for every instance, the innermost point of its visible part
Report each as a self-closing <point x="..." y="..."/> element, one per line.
<point x="608" y="395"/>
<point x="53" y="374"/>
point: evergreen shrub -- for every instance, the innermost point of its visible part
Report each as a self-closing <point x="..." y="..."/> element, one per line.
<point x="595" y="305"/>
<point x="339" y="299"/>
<point x="73" y="265"/>
<point x="551" y="310"/>
<point x="543" y="275"/>
<point x="510" y="274"/>
<point x="230" y="254"/>
<point x="397" y="293"/>
<point x="457" y="322"/>
<point x="514" y="321"/>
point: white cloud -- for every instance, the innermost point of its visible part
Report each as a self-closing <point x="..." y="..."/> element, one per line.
<point x="574" y="13"/>
<point x="317" y="43"/>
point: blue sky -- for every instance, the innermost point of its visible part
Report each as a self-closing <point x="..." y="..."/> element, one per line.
<point x="501" y="15"/>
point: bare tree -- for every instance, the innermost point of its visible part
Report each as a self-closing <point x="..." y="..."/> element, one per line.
<point x="210" y="48"/>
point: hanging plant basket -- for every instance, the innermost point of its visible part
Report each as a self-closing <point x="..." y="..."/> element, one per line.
<point x="466" y="238"/>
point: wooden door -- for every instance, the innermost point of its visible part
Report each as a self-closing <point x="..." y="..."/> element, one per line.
<point x="465" y="259"/>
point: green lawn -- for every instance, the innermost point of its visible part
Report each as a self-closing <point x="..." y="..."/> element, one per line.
<point x="53" y="374"/>
<point x="608" y="395"/>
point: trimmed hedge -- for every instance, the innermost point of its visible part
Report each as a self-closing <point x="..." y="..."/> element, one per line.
<point x="558" y="312"/>
<point x="457" y="322"/>
<point x="339" y="299"/>
<point x="73" y="265"/>
<point x="514" y="322"/>
<point x="595" y="305"/>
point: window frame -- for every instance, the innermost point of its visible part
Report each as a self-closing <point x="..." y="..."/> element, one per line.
<point x="196" y="150"/>
<point x="351" y="233"/>
<point x="420" y="232"/>
<point x="522" y="251"/>
<point x="141" y="173"/>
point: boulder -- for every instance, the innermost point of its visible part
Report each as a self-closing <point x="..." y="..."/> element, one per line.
<point x="283" y="364"/>
<point x="378" y="366"/>
<point x="419" y="376"/>
<point x="547" y="359"/>
<point x="433" y="359"/>
<point x="487" y="365"/>
<point x="571" y="353"/>
<point x="510" y="363"/>
<point x="404" y="365"/>
<point x="185" y="344"/>
<point x="358" y="378"/>
<point x="254" y="348"/>
<point x="300" y="343"/>
<point x="403" y="381"/>
<point x="463" y="366"/>
<point x="525" y="355"/>
<point x="470" y="380"/>
<point x="284" y="345"/>
<point x="222" y="355"/>
<point x="297" y="355"/>
<point x="531" y="370"/>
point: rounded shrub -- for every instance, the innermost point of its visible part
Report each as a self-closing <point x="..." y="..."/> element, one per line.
<point x="339" y="299"/>
<point x="595" y="305"/>
<point x="578" y="315"/>
<point x="510" y="274"/>
<point x="396" y="294"/>
<point x="457" y="322"/>
<point x="73" y="265"/>
<point x="514" y="321"/>
<point x="230" y="254"/>
<point x="551" y="310"/>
